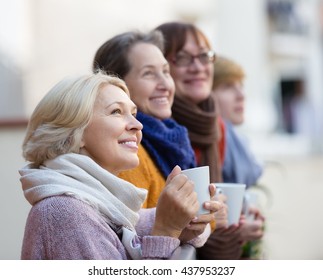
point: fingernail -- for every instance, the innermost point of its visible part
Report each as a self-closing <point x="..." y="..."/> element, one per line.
<point x="195" y="219"/>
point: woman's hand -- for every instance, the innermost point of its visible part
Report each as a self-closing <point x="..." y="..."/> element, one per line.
<point x="197" y="226"/>
<point x="177" y="205"/>
<point x="221" y="216"/>
<point x="252" y="229"/>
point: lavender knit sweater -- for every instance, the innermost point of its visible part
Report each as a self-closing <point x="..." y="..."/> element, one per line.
<point x="63" y="227"/>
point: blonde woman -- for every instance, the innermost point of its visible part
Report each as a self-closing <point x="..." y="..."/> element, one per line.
<point x="80" y="136"/>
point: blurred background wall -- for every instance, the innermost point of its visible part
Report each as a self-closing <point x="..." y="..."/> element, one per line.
<point x="278" y="42"/>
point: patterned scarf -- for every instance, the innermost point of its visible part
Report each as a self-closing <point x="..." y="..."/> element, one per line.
<point x="167" y="143"/>
<point x="201" y="122"/>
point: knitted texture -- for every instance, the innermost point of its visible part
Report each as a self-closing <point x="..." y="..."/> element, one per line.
<point x="79" y="176"/>
<point x="147" y="176"/>
<point x="167" y="142"/>
<point x="201" y="122"/>
<point x="63" y="227"/>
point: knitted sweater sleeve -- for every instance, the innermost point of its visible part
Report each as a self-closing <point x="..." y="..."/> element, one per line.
<point x="154" y="247"/>
<point x="62" y="227"/>
<point x="146" y="221"/>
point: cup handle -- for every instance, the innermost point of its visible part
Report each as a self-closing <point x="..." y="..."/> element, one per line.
<point x="245" y="207"/>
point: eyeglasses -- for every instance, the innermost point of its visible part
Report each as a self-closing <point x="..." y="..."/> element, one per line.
<point x="183" y="60"/>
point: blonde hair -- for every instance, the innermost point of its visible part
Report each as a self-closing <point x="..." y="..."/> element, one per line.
<point x="58" y="122"/>
<point x="226" y="70"/>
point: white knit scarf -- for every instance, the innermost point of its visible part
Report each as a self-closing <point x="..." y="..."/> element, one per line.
<point x="79" y="176"/>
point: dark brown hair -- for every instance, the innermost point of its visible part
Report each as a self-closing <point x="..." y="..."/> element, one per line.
<point x="175" y="34"/>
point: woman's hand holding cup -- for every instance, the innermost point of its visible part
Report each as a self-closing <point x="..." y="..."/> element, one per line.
<point x="177" y="205"/>
<point x="197" y="226"/>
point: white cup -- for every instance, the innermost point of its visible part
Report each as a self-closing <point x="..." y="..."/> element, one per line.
<point x="250" y="199"/>
<point x="201" y="178"/>
<point x="234" y="193"/>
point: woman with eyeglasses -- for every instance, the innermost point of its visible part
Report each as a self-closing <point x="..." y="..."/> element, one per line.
<point x="191" y="59"/>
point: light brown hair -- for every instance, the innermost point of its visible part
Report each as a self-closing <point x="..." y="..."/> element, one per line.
<point x="226" y="71"/>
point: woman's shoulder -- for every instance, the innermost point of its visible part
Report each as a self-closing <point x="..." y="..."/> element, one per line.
<point x="58" y="202"/>
<point x="65" y="209"/>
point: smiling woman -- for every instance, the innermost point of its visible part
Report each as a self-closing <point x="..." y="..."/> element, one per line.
<point x="113" y="135"/>
<point x="80" y="136"/>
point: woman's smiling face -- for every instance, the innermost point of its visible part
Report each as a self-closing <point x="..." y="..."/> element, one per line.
<point x="150" y="84"/>
<point x="113" y="134"/>
<point x="193" y="81"/>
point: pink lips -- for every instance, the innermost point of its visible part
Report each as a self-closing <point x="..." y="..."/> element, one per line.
<point x="239" y="109"/>
<point x="194" y="80"/>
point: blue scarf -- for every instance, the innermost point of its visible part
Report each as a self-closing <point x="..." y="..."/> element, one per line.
<point x="167" y="143"/>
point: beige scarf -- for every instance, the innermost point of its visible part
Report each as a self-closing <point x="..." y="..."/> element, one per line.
<point x="79" y="176"/>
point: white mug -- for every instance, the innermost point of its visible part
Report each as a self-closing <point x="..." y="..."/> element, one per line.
<point x="234" y="193"/>
<point x="201" y="178"/>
